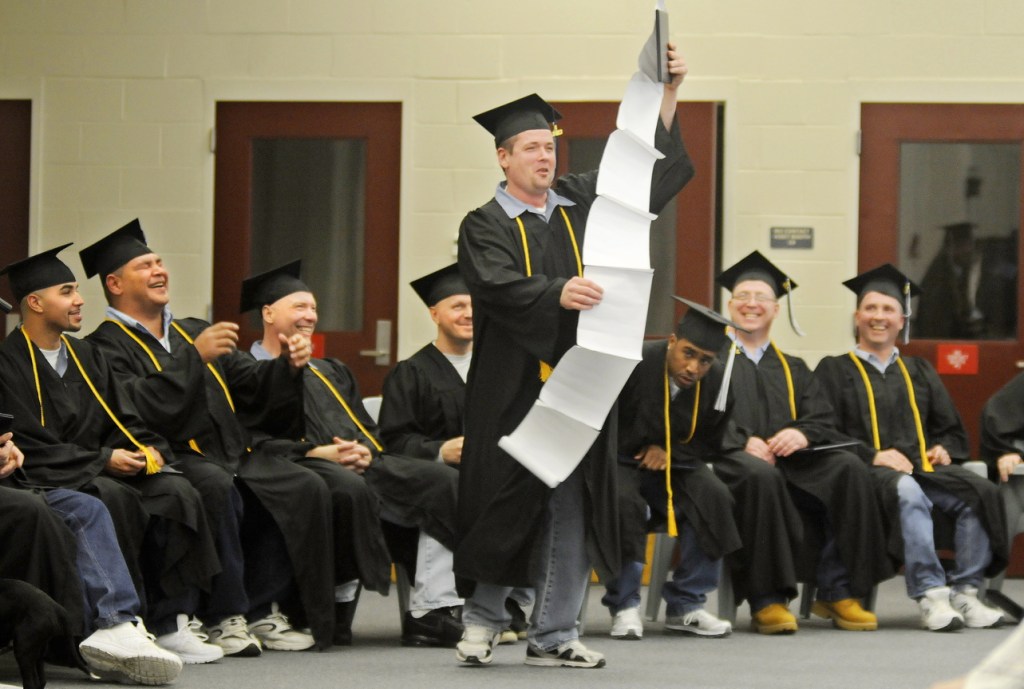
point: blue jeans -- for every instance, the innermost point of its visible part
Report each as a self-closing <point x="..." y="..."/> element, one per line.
<point x="923" y="569"/>
<point x="107" y="590"/>
<point x="692" y="580"/>
<point x="832" y="575"/>
<point x="559" y="585"/>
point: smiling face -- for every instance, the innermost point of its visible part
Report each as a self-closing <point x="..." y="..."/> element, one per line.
<point x="687" y="363"/>
<point x="753" y="307"/>
<point x="878" y="319"/>
<point x="529" y="165"/>
<point x="59" y="306"/>
<point x="140" y="284"/>
<point x="291" y="314"/>
<point x="454" y="318"/>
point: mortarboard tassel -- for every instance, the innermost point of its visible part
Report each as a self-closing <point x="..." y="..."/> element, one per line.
<point x="723" y="392"/>
<point x="789" y="306"/>
<point x="907" y="313"/>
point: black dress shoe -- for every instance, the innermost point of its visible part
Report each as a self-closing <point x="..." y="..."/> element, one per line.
<point x="441" y="627"/>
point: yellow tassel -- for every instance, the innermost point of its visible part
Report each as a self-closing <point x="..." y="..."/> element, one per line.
<point x="545" y="371"/>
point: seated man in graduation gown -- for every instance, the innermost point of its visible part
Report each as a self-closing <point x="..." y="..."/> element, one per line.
<point x="781" y="415"/>
<point x="669" y="429"/>
<point x="338" y="427"/>
<point x="421" y="418"/>
<point x="79" y="432"/>
<point x="1002" y="430"/>
<point x="910" y="433"/>
<point x="269" y="517"/>
<point x="519" y="254"/>
<point x="79" y="564"/>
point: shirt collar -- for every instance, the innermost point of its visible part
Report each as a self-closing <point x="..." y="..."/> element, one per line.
<point x="259" y="353"/>
<point x="165" y="340"/>
<point x="514" y="207"/>
<point x="755" y="354"/>
<point x="879" y="365"/>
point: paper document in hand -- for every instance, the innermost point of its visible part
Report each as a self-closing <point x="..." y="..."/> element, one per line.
<point x="549" y="443"/>
<point x="585" y="384"/>
<point x="625" y="172"/>
<point x="617" y="235"/>
<point x="640" y="110"/>
<point x="616" y="325"/>
<point x="653" y="61"/>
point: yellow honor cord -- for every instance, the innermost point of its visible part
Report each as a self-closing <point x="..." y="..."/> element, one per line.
<point x="348" y="409"/>
<point x="673" y="530"/>
<point x="545" y="368"/>
<point x="209" y="365"/>
<point x="156" y="364"/>
<point x="926" y="465"/>
<point x="789" y="379"/>
<point x="151" y="466"/>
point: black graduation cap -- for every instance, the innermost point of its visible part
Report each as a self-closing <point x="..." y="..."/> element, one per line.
<point x="113" y="251"/>
<point x="440" y="284"/>
<point x="706" y="329"/>
<point x="38" y="272"/>
<point x="888" y="280"/>
<point x="754" y="266"/>
<point x="529" y="112"/>
<point x="268" y="287"/>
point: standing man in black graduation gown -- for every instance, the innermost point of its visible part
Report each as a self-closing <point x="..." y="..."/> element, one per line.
<point x="908" y="429"/>
<point x="270" y="517"/>
<point x="339" y="430"/>
<point x="664" y="474"/>
<point x="781" y="414"/>
<point x="78" y="432"/>
<point x="519" y="255"/>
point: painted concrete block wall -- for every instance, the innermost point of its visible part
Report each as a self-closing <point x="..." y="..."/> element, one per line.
<point x="124" y="95"/>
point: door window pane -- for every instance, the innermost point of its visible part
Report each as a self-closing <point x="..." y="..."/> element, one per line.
<point x="308" y="203"/>
<point x="959" y="205"/>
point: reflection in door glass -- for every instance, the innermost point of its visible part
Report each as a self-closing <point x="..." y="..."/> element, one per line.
<point x="308" y="203"/>
<point x="585" y="155"/>
<point x="958" y="229"/>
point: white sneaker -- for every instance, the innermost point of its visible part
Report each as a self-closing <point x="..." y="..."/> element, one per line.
<point x="627" y="625"/>
<point x="189" y="643"/>
<point x="976" y="614"/>
<point x="477" y="645"/>
<point x="700" y="623"/>
<point x="276" y="633"/>
<point x="127" y="651"/>
<point x="570" y="654"/>
<point x="233" y="637"/>
<point x="936" y="612"/>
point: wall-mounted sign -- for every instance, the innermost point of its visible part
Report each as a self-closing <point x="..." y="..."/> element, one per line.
<point x="956" y="359"/>
<point x="792" y="237"/>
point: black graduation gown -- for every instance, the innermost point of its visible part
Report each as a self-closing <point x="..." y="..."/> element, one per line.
<point x="1002" y="423"/>
<point x="359" y="547"/>
<point x="941" y="424"/>
<point x="838" y="480"/>
<point x="423" y="406"/>
<point x="36" y="546"/>
<point x="72" y="448"/>
<point x="188" y="404"/>
<point x="518" y="322"/>
<point x="700" y="498"/>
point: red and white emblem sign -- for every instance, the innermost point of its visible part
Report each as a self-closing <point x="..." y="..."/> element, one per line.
<point x="957" y="359"/>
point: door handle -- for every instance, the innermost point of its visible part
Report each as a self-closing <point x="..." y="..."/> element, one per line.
<point x="1020" y="363"/>
<point x="382" y="350"/>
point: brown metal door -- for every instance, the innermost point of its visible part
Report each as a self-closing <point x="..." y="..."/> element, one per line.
<point x="15" y="162"/>
<point x="951" y="146"/>
<point x="272" y="159"/>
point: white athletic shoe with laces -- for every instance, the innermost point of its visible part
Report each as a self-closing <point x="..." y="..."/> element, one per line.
<point x="233" y="637"/>
<point x="477" y="645"/>
<point x="699" y="623"/>
<point x="937" y="614"/>
<point x="976" y="614"/>
<point x="570" y="654"/>
<point x="627" y="625"/>
<point x="189" y="643"/>
<point x="276" y="633"/>
<point x="127" y="650"/>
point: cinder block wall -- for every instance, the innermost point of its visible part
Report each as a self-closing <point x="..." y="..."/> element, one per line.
<point x="124" y="93"/>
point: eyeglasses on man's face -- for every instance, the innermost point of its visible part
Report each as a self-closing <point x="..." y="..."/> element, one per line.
<point x="758" y="297"/>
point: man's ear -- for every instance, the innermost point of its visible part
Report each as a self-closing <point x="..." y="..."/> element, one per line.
<point x="113" y="284"/>
<point x="33" y="303"/>
<point x="433" y="314"/>
<point x="268" y="314"/>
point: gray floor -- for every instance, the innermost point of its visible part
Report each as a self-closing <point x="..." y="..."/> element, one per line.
<point x="898" y="655"/>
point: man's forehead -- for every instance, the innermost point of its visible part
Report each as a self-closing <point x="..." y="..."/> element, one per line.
<point x="875" y="297"/>
<point x="296" y="298"/>
<point x="683" y="343"/>
<point x="753" y="285"/>
<point x="143" y="259"/>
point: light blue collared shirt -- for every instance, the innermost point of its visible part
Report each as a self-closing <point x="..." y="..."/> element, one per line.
<point x="755" y="354"/>
<point x="879" y="365"/>
<point x="259" y="352"/>
<point x="165" y="340"/>
<point x="57" y="358"/>
<point x="513" y="207"/>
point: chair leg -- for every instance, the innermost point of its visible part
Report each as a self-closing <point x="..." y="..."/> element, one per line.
<point x="581" y="619"/>
<point x="726" y="595"/>
<point x="872" y="598"/>
<point x="661" y="562"/>
<point x="807" y="592"/>
<point x="404" y="587"/>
